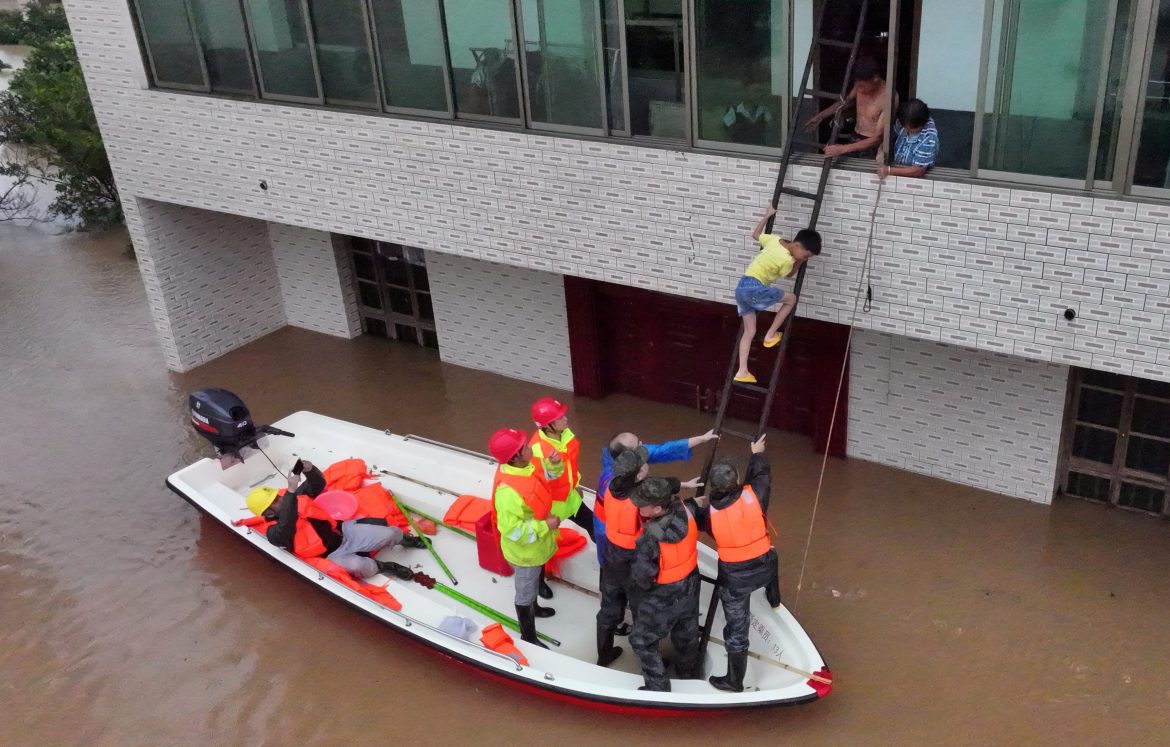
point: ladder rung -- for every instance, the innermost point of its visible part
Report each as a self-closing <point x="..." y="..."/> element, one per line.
<point x="823" y="94"/>
<point x="798" y="193"/>
<point x="750" y="387"/>
<point x="839" y="43"/>
<point x="738" y="434"/>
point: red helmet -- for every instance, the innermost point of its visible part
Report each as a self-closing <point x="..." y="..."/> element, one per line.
<point x="546" y="409"/>
<point x="506" y="443"/>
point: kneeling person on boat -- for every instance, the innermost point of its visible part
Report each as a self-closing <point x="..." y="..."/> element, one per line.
<point x="737" y="519"/>
<point x="522" y="504"/>
<point x="665" y="570"/>
<point x="297" y="524"/>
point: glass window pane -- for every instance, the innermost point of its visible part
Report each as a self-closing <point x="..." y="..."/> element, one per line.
<point x="405" y="333"/>
<point x="950" y="31"/>
<point x="655" y="57"/>
<point x="1042" y="87"/>
<point x="1103" y="379"/>
<point x="1094" y="444"/>
<point x="412" y="52"/>
<point x="368" y="295"/>
<point x="421" y="281"/>
<point x="560" y="52"/>
<point x="1100" y="407"/>
<point x="1115" y="79"/>
<point x="615" y="65"/>
<point x="343" y="52"/>
<point x="1153" y="161"/>
<point x="1087" y="486"/>
<point x="1151" y="416"/>
<point x="373" y="326"/>
<point x="426" y="311"/>
<point x="483" y="57"/>
<point x="1141" y="497"/>
<point x="740" y="63"/>
<point x="430" y="339"/>
<point x="282" y="46"/>
<point x="363" y="267"/>
<point x="220" y="25"/>
<point x="1148" y="455"/>
<point x="395" y="272"/>
<point x="171" y="43"/>
<point x="1153" y="388"/>
<point x="400" y="301"/>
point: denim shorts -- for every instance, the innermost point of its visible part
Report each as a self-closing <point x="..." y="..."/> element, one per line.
<point x="751" y="296"/>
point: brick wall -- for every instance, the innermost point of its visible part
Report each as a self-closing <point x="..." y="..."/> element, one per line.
<point x="316" y="280"/>
<point x="502" y="319"/>
<point x="983" y="419"/>
<point x="210" y="279"/>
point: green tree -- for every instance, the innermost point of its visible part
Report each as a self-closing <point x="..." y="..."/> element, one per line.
<point x="39" y="22"/>
<point x="47" y="117"/>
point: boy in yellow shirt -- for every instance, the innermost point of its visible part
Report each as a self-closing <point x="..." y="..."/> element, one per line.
<point x="777" y="259"/>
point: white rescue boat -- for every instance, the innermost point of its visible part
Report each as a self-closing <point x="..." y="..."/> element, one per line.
<point x="784" y="666"/>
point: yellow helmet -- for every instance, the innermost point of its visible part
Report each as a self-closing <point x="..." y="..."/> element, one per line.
<point x="260" y="499"/>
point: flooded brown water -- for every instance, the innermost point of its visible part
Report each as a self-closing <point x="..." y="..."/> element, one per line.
<point x="947" y="614"/>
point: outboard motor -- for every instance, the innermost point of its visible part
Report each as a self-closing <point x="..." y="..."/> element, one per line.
<point x="224" y="420"/>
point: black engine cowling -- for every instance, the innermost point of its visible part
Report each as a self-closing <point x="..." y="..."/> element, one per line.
<point x="223" y="419"/>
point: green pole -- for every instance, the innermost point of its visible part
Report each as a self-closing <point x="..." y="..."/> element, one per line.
<point x="499" y="617"/>
<point x="440" y="522"/>
<point x="426" y="541"/>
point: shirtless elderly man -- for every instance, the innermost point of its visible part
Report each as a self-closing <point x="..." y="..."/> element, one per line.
<point x="868" y="95"/>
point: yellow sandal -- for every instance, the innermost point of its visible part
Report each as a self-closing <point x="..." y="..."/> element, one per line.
<point x="773" y="342"/>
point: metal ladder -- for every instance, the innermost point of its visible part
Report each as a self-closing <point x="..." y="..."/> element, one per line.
<point x="792" y="142"/>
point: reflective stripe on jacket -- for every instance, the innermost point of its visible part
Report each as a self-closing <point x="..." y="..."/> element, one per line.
<point x="521" y="502"/>
<point x="567" y="475"/>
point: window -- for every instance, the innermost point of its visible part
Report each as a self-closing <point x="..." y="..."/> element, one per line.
<point x="655" y="58"/>
<point x="284" y="55"/>
<point x="948" y="32"/>
<point x="1117" y="441"/>
<point x="173" y="51"/>
<point x="481" y="42"/>
<point x="1152" y="166"/>
<point x="344" y="53"/>
<point x="1043" y="84"/>
<point x="412" y="55"/>
<point x="741" y="68"/>
<point x="393" y="292"/>
<point x="219" y="25"/>
<point x="562" y="63"/>
<point x="614" y="59"/>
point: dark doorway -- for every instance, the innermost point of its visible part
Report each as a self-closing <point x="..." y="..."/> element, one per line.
<point x="393" y="292"/>
<point x="671" y="349"/>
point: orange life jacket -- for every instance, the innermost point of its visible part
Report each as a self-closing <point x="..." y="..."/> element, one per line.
<point x="623" y="525"/>
<point x="374" y="501"/>
<point x="377" y="593"/>
<point x="466" y="511"/>
<point x="532" y="489"/>
<point x="347" y="475"/>
<point x="306" y="542"/>
<point x="677" y="560"/>
<point x="740" y="530"/>
<point x="570" y="456"/>
<point x="494" y="637"/>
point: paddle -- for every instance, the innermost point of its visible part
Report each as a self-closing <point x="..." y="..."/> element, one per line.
<point x="424" y="539"/>
<point x="429" y="582"/>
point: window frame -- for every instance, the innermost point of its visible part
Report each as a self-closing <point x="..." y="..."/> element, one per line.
<point x="145" y="39"/>
<point x="603" y="93"/>
<point x="448" y="75"/>
<point x="248" y="52"/>
<point x="1138" y="74"/>
<point x="368" y="21"/>
<point x="520" y="93"/>
<point x="310" y="37"/>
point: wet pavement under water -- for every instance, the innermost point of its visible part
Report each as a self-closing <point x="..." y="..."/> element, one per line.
<point x="127" y="618"/>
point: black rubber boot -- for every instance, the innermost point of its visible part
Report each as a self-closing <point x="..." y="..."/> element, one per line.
<point x="772" y="591"/>
<point x="394" y="569"/>
<point x="542" y="611"/>
<point x="527" y="620"/>
<point x="413" y="541"/>
<point x="733" y="680"/>
<point x="623" y="629"/>
<point x="607" y="653"/>
<point x="545" y="591"/>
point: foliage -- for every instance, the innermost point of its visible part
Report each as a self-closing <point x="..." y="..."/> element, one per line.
<point x="47" y="115"/>
<point x="39" y="22"/>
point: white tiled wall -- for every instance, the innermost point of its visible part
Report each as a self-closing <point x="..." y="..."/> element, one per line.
<point x="983" y="419"/>
<point x="210" y="279"/>
<point x="316" y="280"/>
<point x="502" y="319"/>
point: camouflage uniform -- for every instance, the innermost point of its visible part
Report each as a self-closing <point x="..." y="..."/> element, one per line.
<point x="664" y="609"/>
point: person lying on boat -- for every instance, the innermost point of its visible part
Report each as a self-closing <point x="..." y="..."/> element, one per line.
<point x="678" y="450"/>
<point x="665" y="571"/>
<point x="737" y="517"/>
<point x="623" y="528"/>
<point x="291" y="520"/>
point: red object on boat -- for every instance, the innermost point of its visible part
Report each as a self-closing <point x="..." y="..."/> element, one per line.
<point x="339" y="504"/>
<point x="487" y="537"/>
